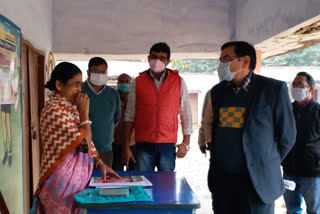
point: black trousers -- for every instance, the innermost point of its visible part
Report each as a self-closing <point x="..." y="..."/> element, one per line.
<point x="235" y="194"/>
<point x="117" y="158"/>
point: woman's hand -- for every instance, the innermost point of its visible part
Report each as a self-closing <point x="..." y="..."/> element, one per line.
<point x="82" y="102"/>
<point x="106" y="171"/>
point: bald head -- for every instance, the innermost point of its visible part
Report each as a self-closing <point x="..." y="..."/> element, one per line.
<point x="124" y="78"/>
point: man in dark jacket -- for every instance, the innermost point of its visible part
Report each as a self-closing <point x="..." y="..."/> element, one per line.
<point x="302" y="165"/>
<point x="253" y="129"/>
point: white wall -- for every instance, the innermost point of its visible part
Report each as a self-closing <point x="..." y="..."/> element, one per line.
<point x="34" y="17"/>
<point x="201" y="83"/>
<point x="287" y="74"/>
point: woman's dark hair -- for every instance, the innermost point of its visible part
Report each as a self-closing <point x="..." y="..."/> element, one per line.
<point x="242" y="49"/>
<point x="63" y="72"/>
<point x="309" y="78"/>
<point x="161" y="47"/>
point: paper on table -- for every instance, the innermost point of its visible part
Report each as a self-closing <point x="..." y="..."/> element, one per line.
<point x="128" y="181"/>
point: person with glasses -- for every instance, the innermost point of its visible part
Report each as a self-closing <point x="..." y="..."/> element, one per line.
<point x="302" y="165"/>
<point x="105" y="107"/>
<point x="156" y="98"/>
<point x="250" y="128"/>
<point x="68" y="153"/>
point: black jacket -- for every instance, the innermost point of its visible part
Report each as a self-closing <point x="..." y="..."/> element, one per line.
<point x="304" y="158"/>
<point x="269" y="134"/>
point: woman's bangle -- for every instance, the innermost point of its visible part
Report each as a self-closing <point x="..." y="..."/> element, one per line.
<point x="85" y="122"/>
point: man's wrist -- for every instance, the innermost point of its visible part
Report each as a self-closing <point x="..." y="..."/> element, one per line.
<point x="125" y="146"/>
<point x="187" y="146"/>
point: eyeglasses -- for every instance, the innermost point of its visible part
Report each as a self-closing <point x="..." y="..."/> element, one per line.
<point x="227" y="58"/>
<point x="299" y="85"/>
<point x="75" y="84"/>
<point x="99" y="72"/>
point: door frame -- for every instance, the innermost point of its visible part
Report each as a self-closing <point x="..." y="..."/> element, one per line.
<point x="26" y="112"/>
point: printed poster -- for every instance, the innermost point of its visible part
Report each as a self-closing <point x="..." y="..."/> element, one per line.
<point x="11" y="154"/>
<point x="9" y="57"/>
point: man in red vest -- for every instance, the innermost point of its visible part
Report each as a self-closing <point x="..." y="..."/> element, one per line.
<point x="156" y="98"/>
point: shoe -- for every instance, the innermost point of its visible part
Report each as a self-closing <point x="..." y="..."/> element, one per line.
<point x="5" y="158"/>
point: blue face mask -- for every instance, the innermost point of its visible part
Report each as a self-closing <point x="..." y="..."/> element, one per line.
<point x="124" y="87"/>
<point x="224" y="72"/>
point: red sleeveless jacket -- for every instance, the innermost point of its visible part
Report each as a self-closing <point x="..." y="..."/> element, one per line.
<point x="157" y="112"/>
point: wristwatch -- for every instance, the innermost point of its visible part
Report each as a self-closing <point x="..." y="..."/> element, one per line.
<point x="187" y="146"/>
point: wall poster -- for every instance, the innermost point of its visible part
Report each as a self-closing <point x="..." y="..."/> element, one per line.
<point x="11" y="153"/>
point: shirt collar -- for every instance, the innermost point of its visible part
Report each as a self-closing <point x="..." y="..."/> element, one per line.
<point x="163" y="76"/>
<point x="244" y="85"/>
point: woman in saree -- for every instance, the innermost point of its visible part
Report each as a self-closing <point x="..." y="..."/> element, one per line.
<point x="68" y="153"/>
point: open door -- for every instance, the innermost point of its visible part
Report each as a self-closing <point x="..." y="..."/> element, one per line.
<point x="32" y="72"/>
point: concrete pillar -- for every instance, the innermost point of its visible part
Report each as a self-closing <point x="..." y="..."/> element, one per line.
<point x="258" y="64"/>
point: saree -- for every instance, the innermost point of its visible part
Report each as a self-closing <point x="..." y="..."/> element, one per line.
<point x="64" y="169"/>
<point x="70" y="177"/>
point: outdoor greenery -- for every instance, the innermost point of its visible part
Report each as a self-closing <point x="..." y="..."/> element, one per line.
<point x="307" y="57"/>
<point x="195" y="66"/>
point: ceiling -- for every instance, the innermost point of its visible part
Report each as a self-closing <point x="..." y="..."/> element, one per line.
<point x="126" y="29"/>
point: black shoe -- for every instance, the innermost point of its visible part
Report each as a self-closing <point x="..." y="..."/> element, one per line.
<point x="5" y="158"/>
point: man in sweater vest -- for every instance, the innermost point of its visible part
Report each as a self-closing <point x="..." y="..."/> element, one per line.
<point x="302" y="165"/>
<point x="156" y="98"/>
<point x="104" y="109"/>
<point x="252" y="130"/>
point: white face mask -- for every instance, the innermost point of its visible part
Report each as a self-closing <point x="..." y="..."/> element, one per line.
<point x="299" y="94"/>
<point x="98" y="79"/>
<point x="224" y="72"/>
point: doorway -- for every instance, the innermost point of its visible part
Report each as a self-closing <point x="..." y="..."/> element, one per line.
<point x="32" y="78"/>
<point x="193" y="97"/>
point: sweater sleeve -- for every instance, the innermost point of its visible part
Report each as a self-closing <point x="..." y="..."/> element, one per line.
<point x="206" y="121"/>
